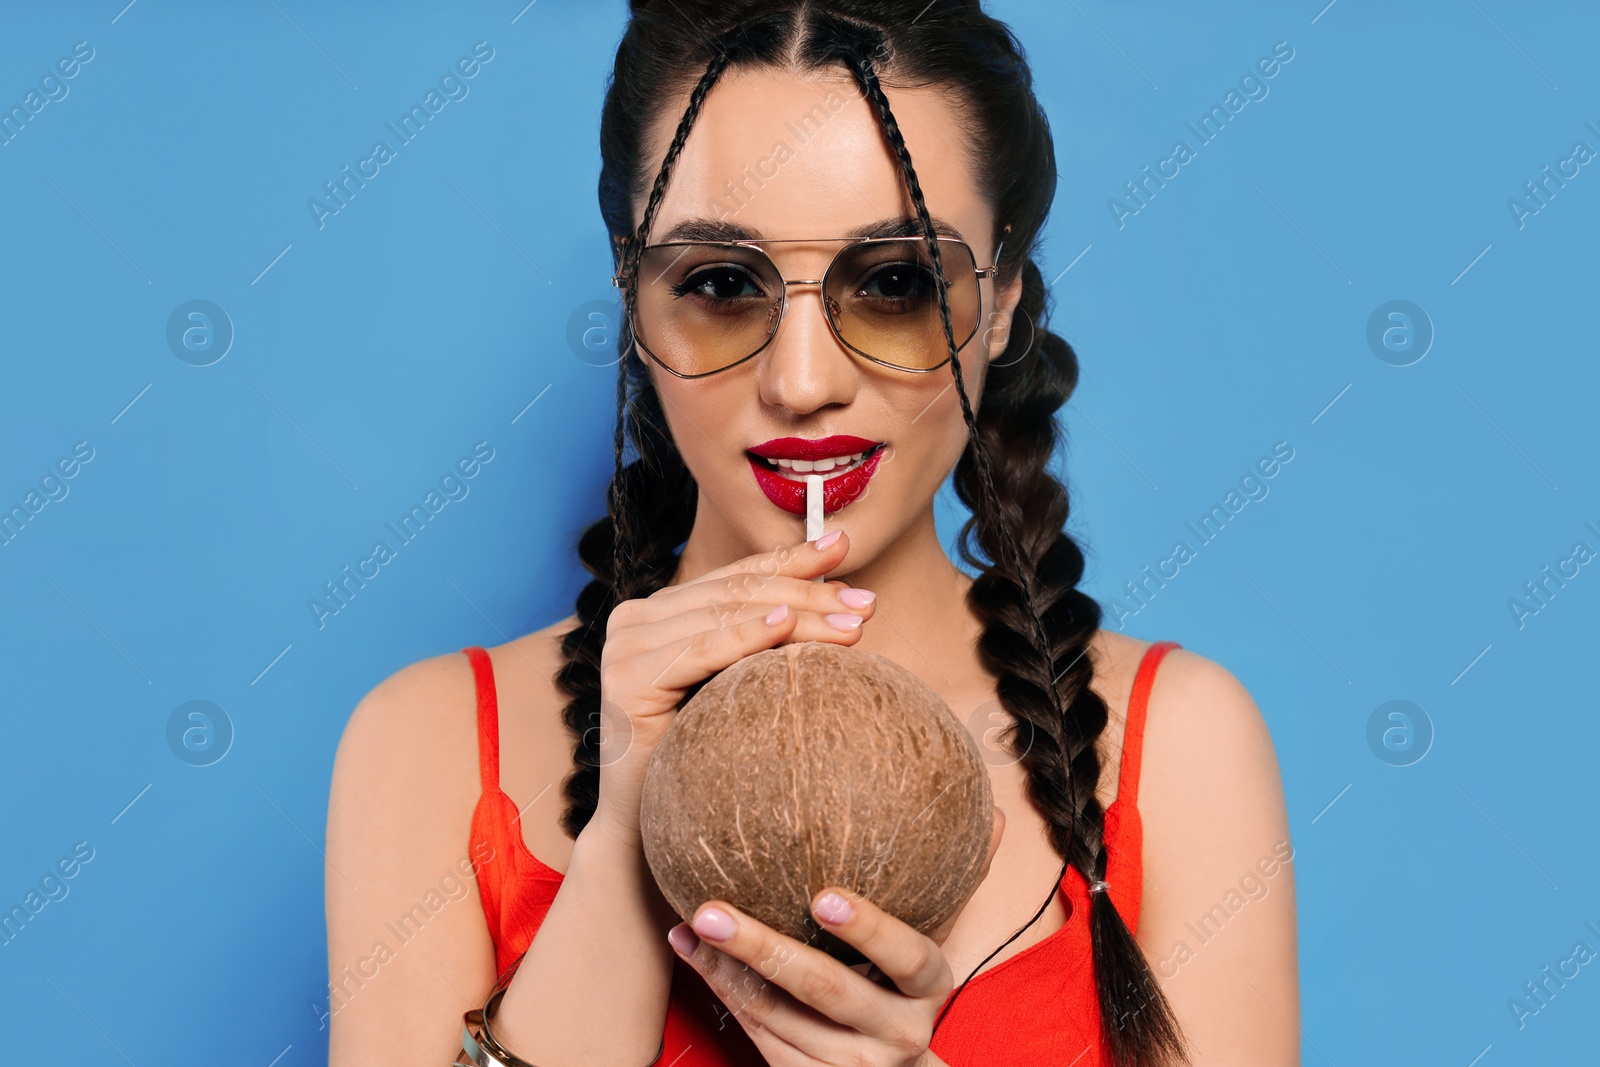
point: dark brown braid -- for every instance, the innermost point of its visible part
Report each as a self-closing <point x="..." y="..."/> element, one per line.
<point x="1037" y="625"/>
<point x="654" y="493"/>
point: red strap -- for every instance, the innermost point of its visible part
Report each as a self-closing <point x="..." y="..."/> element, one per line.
<point x="1133" y="732"/>
<point x="488" y="718"/>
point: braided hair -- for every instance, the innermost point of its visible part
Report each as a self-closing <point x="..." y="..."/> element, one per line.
<point x="1037" y="624"/>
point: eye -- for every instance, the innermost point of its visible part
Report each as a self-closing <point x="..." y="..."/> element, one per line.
<point x="718" y="284"/>
<point x="898" y="284"/>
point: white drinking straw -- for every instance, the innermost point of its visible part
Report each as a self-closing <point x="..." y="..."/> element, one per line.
<point x="814" y="510"/>
<point x="813" y="507"/>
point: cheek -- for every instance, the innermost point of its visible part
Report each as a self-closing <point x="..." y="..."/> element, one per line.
<point x="929" y="447"/>
<point x="952" y="438"/>
<point x="681" y="413"/>
<point x="947" y="409"/>
<point x="698" y="420"/>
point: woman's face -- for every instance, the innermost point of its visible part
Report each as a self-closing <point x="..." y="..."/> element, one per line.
<point x="790" y="156"/>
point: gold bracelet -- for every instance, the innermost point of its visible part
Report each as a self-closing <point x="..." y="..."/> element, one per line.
<point x="480" y="1046"/>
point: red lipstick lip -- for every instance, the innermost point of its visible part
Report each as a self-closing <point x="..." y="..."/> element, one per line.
<point x="838" y="490"/>
<point x="821" y="448"/>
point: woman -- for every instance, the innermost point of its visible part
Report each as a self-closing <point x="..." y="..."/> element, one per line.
<point x="824" y="213"/>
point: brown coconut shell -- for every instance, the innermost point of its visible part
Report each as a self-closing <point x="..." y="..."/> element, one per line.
<point x="815" y="764"/>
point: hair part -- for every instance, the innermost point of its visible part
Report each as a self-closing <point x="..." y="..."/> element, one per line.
<point x="1037" y="624"/>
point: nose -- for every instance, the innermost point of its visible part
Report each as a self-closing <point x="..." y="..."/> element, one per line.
<point x="805" y="367"/>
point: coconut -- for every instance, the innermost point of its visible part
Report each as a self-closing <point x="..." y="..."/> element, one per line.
<point x="813" y="765"/>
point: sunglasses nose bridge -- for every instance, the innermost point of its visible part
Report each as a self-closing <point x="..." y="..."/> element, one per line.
<point x="783" y="306"/>
<point x="791" y="283"/>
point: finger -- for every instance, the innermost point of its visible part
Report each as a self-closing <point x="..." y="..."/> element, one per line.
<point x="800" y="560"/>
<point x="810" y="975"/>
<point x="740" y="597"/>
<point x="689" y="647"/>
<point x="776" y="1022"/>
<point x="908" y="958"/>
<point x="674" y="664"/>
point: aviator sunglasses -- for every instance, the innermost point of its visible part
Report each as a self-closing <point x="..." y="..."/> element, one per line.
<point x="701" y="307"/>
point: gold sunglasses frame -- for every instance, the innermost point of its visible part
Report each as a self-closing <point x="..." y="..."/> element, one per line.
<point x="981" y="273"/>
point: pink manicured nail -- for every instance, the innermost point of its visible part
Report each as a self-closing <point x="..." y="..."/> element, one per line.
<point x="856" y="598"/>
<point x="826" y="541"/>
<point x="683" y="939"/>
<point x="843" y="621"/>
<point x="714" y="924"/>
<point x="777" y="614"/>
<point x="833" y="908"/>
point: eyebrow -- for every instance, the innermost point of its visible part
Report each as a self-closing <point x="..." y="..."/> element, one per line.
<point x="708" y="229"/>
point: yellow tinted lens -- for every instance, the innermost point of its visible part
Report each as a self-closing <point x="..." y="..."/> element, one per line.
<point x="884" y="298"/>
<point x="703" y="307"/>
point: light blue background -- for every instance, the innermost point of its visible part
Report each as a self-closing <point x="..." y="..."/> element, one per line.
<point x="1230" y="313"/>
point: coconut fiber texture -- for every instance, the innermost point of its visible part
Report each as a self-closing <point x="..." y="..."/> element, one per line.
<point x="810" y="765"/>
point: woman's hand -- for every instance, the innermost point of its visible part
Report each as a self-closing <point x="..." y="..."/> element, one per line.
<point x="802" y="1007"/>
<point x="658" y="646"/>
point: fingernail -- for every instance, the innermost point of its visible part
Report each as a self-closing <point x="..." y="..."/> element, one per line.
<point x="683" y="940"/>
<point x="856" y="598"/>
<point x="825" y="542"/>
<point x="777" y="614"/>
<point x="832" y="908"/>
<point x="714" y="924"/>
<point x="843" y="621"/>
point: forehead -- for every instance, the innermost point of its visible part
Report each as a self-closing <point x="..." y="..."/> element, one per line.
<point x="779" y="154"/>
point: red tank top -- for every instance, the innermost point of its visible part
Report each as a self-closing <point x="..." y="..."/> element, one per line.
<point x="1038" y="1006"/>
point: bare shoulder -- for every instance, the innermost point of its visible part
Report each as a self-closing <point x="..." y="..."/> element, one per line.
<point x="1217" y="919"/>
<point x="535" y="744"/>
<point x="414" y="737"/>
<point x="405" y="776"/>
<point x="417" y="720"/>
<point x="405" y="780"/>
<point x="1204" y="732"/>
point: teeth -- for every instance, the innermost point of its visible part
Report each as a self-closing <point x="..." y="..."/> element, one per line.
<point x="817" y="466"/>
